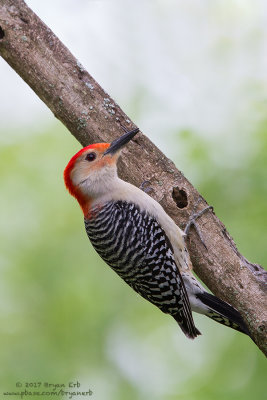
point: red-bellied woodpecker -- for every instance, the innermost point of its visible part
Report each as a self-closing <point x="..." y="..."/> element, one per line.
<point x="138" y="240"/>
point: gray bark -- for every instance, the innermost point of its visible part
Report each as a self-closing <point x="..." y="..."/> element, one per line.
<point x="91" y="115"/>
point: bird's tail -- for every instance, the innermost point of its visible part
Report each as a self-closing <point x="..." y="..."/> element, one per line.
<point x="222" y="312"/>
<point x="187" y="324"/>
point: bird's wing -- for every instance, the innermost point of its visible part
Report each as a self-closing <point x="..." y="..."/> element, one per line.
<point x="159" y="280"/>
<point x="135" y="245"/>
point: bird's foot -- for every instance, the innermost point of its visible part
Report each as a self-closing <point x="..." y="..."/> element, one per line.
<point x="192" y="222"/>
<point x="145" y="188"/>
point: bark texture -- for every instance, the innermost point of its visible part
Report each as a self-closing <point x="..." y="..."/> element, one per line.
<point x="91" y="115"/>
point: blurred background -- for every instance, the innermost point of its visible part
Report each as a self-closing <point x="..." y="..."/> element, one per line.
<point x="192" y="75"/>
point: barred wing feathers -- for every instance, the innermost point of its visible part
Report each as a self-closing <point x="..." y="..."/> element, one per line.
<point x="135" y="246"/>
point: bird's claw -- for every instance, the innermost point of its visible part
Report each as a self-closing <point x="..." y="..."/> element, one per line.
<point x="192" y="222"/>
<point x="145" y="188"/>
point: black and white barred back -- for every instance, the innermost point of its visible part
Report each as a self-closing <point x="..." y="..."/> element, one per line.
<point x="135" y="246"/>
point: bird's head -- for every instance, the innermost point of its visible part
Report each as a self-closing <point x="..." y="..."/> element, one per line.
<point x="91" y="172"/>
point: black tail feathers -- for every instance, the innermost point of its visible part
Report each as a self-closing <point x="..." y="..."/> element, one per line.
<point x="187" y="325"/>
<point x="223" y="312"/>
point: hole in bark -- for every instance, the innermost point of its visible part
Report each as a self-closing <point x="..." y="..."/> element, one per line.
<point x="23" y="17"/>
<point x="180" y="197"/>
<point x="2" y="33"/>
<point x="24" y="20"/>
<point x="80" y="75"/>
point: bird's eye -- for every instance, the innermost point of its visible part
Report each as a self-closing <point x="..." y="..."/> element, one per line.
<point x="90" y="156"/>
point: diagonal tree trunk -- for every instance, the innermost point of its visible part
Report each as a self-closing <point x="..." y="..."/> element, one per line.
<point x="91" y="115"/>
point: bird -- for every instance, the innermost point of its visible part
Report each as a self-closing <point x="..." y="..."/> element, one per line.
<point x="134" y="235"/>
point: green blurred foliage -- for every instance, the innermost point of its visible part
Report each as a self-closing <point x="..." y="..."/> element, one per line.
<point x="232" y="177"/>
<point x="66" y="316"/>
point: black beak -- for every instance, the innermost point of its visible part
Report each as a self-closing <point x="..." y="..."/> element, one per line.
<point x="117" y="144"/>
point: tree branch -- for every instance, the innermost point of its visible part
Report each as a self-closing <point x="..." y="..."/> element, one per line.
<point x="89" y="113"/>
